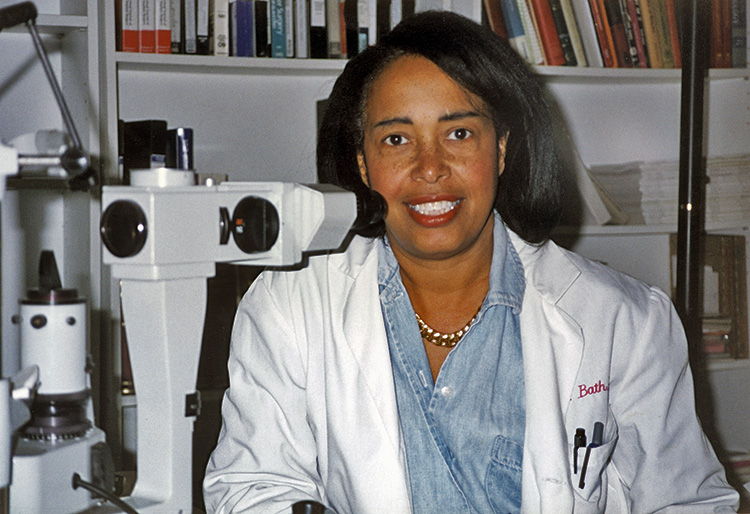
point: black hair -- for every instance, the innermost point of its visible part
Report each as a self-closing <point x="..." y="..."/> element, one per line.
<point x="529" y="196"/>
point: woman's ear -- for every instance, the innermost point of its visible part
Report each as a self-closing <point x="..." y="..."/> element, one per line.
<point x="502" y="144"/>
<point x="362" y="168"/>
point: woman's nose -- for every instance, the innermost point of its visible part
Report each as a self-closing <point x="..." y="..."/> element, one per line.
<point x="431" y="164"/>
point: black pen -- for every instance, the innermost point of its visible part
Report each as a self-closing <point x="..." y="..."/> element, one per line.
<point x="579" y="441"/>
<point x="596" y="441"/>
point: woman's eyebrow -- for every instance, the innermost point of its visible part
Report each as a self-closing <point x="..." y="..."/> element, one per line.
<point x="451" y="116"/>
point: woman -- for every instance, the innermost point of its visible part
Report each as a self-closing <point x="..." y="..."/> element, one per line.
<point x="449" y="365"/>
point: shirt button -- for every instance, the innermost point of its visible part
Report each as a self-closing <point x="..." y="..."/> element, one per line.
<point x="447" y="392"/>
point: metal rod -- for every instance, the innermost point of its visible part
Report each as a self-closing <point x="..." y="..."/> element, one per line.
<point x="67" y="118"/>
<point x="691" y="204"/>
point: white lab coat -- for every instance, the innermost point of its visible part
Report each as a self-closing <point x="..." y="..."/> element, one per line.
<point x="311" y="409"/>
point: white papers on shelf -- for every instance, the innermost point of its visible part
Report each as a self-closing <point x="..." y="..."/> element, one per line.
<point x="647" y="191"/>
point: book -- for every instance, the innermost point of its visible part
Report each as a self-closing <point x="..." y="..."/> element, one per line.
<point x="333" y="29"/>
<point x="563" y="32"/>
<point x="619" y="36"/>
<point x="277" y="28"/>
<point x="529" y="28"/>
<point x="241" y="39"/>
<point x="650" y="31"/>
<point x="372" y="11"/>
<point x="739" y="33"/>
<point x="219" y="27"/>
<point x="587" y="31"/>
<point x="260" y="28"/>
<point x="176" y="26"/>
<point x="363" y="24"/>
<point x="301" y="33"/>
<point x="517" y="36"/>
<point x="189" y="26"/>
<point x="674" y="32"/>
<point x="396" y="12"/>
<point x="603" y="33"/>
<point x="289" y="27"/>
<point x="548" y="35"/>
<point x="494" y="14"/>
<point x="202" y="34"/>
<point x="629" y="34"/>
<point x="318" y="31"/>
<point x="147" y="26"/>
<point x="130" y="24"/>
<point x="636" y="25"/>
<point x="661" y="21"/>
<point x="573" y="32"/>
<point x="163" y="27"/>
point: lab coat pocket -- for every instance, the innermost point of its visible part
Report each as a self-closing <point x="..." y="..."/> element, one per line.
<point x="503" y="480"/>
<point x="589" y="479"/>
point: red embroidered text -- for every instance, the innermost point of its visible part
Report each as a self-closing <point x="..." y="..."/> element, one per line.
<point x="583" y="390"/>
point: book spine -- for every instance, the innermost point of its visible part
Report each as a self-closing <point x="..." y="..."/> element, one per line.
<point x="130" y="26"/>
<point x="333" y="28"/>
<point x="318" y="30"/>
<point x="397" y="12"/>
<point x="175" y="17"/>
<point x="202" y="34"/>
<point x="260" y="28"/>
<point x="659" y="16"/>
<point x="655" y="55"/>
<point x="289" y="27"/>
<point x="219" y="27"/>
<point x="636" y="24"/>
<point x="573" y="32"/>
<point x="147" y="27"/>
<point x="163" y="27"/>
<point x="363" y="24"/>
<point x="514" y="27"/>
<point x="189" y="24"/>
<point x="563" y="33"/>
<point x="739" y="34"/>
<point x="301" y="29"/>
<point x="674" y="32"/>
<point x="602" y="30"/>
<point x="276" y="20"/>
<point x="241" y="28"/>
<point x="495" y="17"/>
<point x="619" y="37"/>
<point x="537" y="55"/>
<point x="587" y="30"/>
<point x="343" y="27"/>
<point x="372" y="10"/>
<point x="629" y="34"/>
<point x="548" y="35"/>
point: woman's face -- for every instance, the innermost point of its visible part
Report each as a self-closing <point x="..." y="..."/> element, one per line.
<point x="431" y="150"/>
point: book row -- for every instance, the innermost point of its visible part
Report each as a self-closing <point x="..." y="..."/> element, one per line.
<point x="616" y="33"/>
<point x="266" y="28"/>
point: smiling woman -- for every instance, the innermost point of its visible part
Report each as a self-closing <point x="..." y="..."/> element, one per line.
<point x="441" y="365"/>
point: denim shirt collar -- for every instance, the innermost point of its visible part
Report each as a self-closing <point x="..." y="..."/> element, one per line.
<point x="507" y="282"/>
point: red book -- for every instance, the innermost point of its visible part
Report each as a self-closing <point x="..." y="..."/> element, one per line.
<point x="128" y="21"/>
<point x="635" y="22"/>
<point x="674" y="33"/>
<point x="606" y="45"/>
<point x="495" y="17"/>
<point x="619" y="37"/>
<point x="163" y="27"/>
<point x="553" y="52"/>
<point x="147" y="31"/>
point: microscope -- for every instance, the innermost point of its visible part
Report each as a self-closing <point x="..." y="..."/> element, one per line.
<point x="162" y="243"/>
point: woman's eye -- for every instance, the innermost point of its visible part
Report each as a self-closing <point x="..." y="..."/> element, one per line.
<point x="459" y="134"/>
<point x="395" y="140"/>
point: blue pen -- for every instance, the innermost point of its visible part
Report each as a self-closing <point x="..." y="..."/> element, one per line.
<point x="596" y="441"/>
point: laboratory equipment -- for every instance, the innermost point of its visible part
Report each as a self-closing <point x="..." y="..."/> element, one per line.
<point x="162" y="243"/>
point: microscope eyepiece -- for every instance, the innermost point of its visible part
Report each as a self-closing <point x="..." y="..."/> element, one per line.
<point x="124" y="228"/>
<point x="371" y="210"/>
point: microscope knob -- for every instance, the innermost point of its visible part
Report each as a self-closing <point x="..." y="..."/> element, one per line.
<point x="124" y="228"/>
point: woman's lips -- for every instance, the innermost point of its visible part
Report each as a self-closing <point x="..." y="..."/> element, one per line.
<point x="433" y="212"/>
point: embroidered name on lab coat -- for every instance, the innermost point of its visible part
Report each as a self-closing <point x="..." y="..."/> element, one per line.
<point x="584" y="390"/>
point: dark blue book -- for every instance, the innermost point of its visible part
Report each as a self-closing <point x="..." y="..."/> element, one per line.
<point x="241" y="28"/>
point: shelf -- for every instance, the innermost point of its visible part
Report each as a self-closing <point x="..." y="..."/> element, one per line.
<point x="727" y="364"/>
<point x="624" y="230"/>
<point x="209" y="63"/>
<point x="627" y="75"/>
<point x="55" y="24"/>
<point x="213" y="64"/>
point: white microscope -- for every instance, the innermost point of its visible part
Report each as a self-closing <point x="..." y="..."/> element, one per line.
<point x="162" y="243"/>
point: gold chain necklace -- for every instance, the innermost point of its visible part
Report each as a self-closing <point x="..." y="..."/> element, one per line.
<point x="440" y="339"/>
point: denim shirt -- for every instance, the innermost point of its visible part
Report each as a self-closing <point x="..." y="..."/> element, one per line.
<point x="463" y="434"/>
